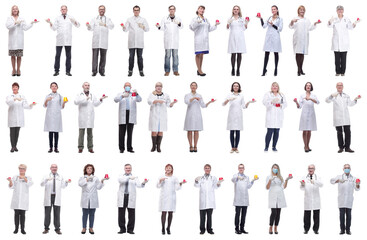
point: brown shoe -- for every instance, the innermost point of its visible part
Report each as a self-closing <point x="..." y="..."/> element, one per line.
<point x="45" y="232"/>
<point x="176" y="74"/>
<point x="166" y="73"/>
<point x="58" y="232"/>
<point x="91" y="150"/>
<point x="80" y="150"/>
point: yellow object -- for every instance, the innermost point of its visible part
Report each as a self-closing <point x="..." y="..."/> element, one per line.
<point x="256" y="177"/>
<point x="65" y="99"/>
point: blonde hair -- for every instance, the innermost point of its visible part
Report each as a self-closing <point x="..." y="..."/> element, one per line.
<point x="239" y="10"/>
<point x="157" y="84"/>
<point x="11" y="10"/>
<point x="279" y="175"/>
<point x="274" y="83"/>
<point x="22" y="166"/>
<point x="300" y="8"/>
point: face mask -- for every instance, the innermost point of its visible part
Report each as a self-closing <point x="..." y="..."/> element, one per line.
<point x="275" y="171"/>
<point x="346" y="171"/>
<point x="127" y="89"/>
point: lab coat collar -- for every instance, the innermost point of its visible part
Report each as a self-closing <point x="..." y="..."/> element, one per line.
<point x="314" y="176"/>
<point x="128" y="174"/>
<point x="169" y="17"/>
<point x="347" y="177"/>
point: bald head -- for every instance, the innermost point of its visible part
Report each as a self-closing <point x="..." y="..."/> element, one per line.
<point x="53" y="168"/>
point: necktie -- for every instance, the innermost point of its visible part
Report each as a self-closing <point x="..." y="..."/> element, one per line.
<point x="127" y="185"/>
<point x="54" y="184"/>
<point x="64" y="16"/>
<point x="311" y="177"/>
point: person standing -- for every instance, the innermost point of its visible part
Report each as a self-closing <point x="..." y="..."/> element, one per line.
<point x="100" y="26"/>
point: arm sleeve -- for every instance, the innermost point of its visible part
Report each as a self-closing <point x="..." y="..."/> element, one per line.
<point x="80" y="99"/>
<point x="10" y="100"/>
<point x="82" y="182"/>
<point x="351" y="103"/>
<point x="146" y="26"/>
<point x="100" y="185"/>
<point x="280" y="27"/>
<point x="267" y="101"/>
<point x="96" y="101"/>
<point x="127" y="26"/>
<point x="26" y="26"/>
<point x="110" y="24"/>
<point x="194" y="24"/>
<point x="138" y="98"/>
<point x="10" y="23"/>
<point x="151" y="99"/>
<point x="202" y="104"/>
<point x="211" y="27"/>
<point x="55" y="25"/>
<point x="333" y="180"/>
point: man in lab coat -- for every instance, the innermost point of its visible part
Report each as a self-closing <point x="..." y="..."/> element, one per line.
<point x="311" y="184"/>
<point x="100" y="27"/>
<point x="341" y="102"/>
<point x="86" y="102"/>
<point x="53" y="184"/>
<point x="207" y="185"/>
<point x="126" y="199"/>
<point x="171" y="25"/>
<point x="136" y="26"/>
<point x="346" y="186"/>
<point x="63" y="25"/>
<point x="127" y="115"/>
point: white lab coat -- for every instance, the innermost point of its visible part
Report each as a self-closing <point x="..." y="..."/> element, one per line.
<point x="193" y="119"/>
<point x="158" y="112"/>
<point x="274" y="115"/>
<point x="122" y="107"/>
<point x="47" y="182"/>
<point x="345" y="190"/>
<point x="136" y="33"/>
<point x="64" y="30"/>
<point x="89" y="191"/>
<point x="133" y="184"/>
<point x="20" y="199"/>
<point x="16" y="110"/>
<point x="276" y="197"/>
<point x="340" y="109"/>
<point x="340" y="41"/>
<point x="16" y="32"/>
<point x="312" y="193"/>
<point x="86" y="109"/>
<point x="201" y="28"/>
<point x="272" y="38"/>
<point x="100" y="33"/>
<point x="167" y="196"/>
<point x="207" y="195"/>
<point x="53" y="120"/>
<point x="241" y="187"/>
<point x="171" y="31"/>
<point x="235" y="115"/>
<point x="236" y="41"/>
<point x="308" y="115"/>
<point x="301" y="35"/>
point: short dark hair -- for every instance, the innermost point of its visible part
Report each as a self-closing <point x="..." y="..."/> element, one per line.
<point x="194" y="83"/>
<point x="127" y="164"/>
<point x="102" y="6"/>
<point x="310" y="84"/>
<point x="136" y="6"/>
<point x="85" y="169"/>
<point x="172" y="6"/>
<point x="15" y="84"/>
<point x="207" y="165"/>
<point x="239" y="87"/>
<point x="55" y="84"/>
<point x="201" y="6"/>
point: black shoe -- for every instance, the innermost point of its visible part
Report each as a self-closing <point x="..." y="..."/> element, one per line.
<point x="141" y="73"/>
<point x="302" y="73"/>
<point x="68" y="74"/>
<point x="130" y="73"/>
<point x="349" y="232"/>
<point x="232" y="73"/>
<point x="94" y="74"/>
<point x="168" y="231"/>
<point x="276" y="72"/>
<point x="16" y="149"/>
<point x="211" y="232"/>
<point x="276" y="232"/>
<point x="102" y="74"/>
<point x="91" y="232"/>
<point x="50" y="150"/>
<point x="130" y="232"/>
<point x="298" y="74"/>
<point x="202" y="232"/>
<point x="12" y="150"/>
<point x="238" y="73"/>
<point x="15" y="231"/>
<point x="56" y="150"/>
<point x="305" y="232"/>
<point x="201" y="74"/>
<point x="163" y="231"/>
<point x="316" y="232"/>
<point x="264" y="73"/>
<point x="82" y="232"/>
<point x="237" y="231"/>
<point x="340" y="150"/>
<point x="130" y="151"/>
<point x="342" y="232"/>
<point x="270" y="232"/>
<point x="121" y="232"/>
<point x="56" y="74"/>
<point x="23" y="232"/>
<point x="349" y="150"/>
<point x="122" y="151"/>
<point x="243" y="231"/>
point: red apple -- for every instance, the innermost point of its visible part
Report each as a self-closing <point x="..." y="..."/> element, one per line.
<point x="295" y="99"/>
<point x="303" y="181"/>
<point x="290" y="175"/>
<point x="69" y="180"/>
<point x="212" y="99"/>
<point x="34" y="102"/>
<point x="103" y="95"/>
<point x="106" y="176"/>
<point x="48" y="19"/>
<point x="217" y="21"/>
<point x="220" y="178"/>
<point x="87" y="23"/>
<point x="258" y="15"/>
<point x="122" y="24"/>
<point x="184" y="180"/>
<point x="175" y="100"/>
<point x="157" y="24"/>
<point x="357" y="19"/>
<point x="133" y="94"/>
<point x="359" y="96"/>
<point x="8" y="178"/>
<point x="35" y="20"/>
<point x="247" y="19"/>
<point x="145" y="179"/>
<point x="358" y="181"/>
<point x="253" y="99"/>
<point x="319" y="21"/>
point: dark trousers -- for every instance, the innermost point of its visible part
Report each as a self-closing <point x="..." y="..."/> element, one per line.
<point x="56" y="214"/>
<point x="206" y="213"/>
<point x="14" y="135"/>
<point x="266" y="59"/>
<point x="342" y="213"/>
<point x="272" y="132"/>
<point x="240" y="211"/>
<point x="53" y="136"/>
<point x="299" y="59"/>
<point x="235" y="138"/>
<point x="343" y="143"/>
<point x="88" y="212"/>
<point x="123" y="128"/>
<point x="307" y="220"/>
<point x="102" y="61"/>
<point x="139" y="52"/>
<point x="19" y="217"/>
<point x="275" y="216"/>
<point x="89" y="138"/>
<point x="131" y="215"/>
<point x="340" y="62"/>
<point x="68" y="58"/>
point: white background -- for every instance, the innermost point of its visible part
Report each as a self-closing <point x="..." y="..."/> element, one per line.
<point x="214" y="144"/>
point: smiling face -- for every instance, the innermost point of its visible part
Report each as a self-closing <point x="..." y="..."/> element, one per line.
<point x="236" y="87"/>
<point x="301" y="11"/>
<point x="101" y="10"/>
<point x="136" y="11"/>
<point x="193" y="87"/>
<point x="207" y="170"/>
<point x="311" y="169"/>
<point x="64" y="10"/>
<point x="15" y="11"/>
<point x="340" y="12"/>
<point x="308" y="87"/>
<point x="54" y="87"/>
<point x="128" y="169"/>
<point x="235" y="11"/>
<point x="158" y="88"/>
<point x="168" y="170"/>
<point x="53" y="168"/>
<point x="241" y="168"/>
<point x="274" y="11"/>
<point x="15" y="89"/>
<point x="339" y="87"/>
<point x="86" y="87"/>
<point x="275" y="88"/>
<point x="201" y="11"/>
<point x="22" y="170"/>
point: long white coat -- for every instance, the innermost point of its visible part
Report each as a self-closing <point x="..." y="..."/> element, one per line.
<point x="133" y="184"/>
<point x="201" y="28"/>
<point x="340" y="109"/>
<point x="274" y="115"/>
<point x="345" y="190"/>
<point x="167" y="196"/>
<point x="158" y="112"/>
<point x="207" y="195"/>
<point x="235" y="115"/>
<point x="312" y="193"/>
<point x="47" y="182"/>
<point x="16" y="32"/>
<point x="16" y="110"/>
<point x="136" y="33"/>
<point x="272" y="38"/>
<point x="308" y="115"/>
<point x="64" y="30"/>
<point x="53" y="119"/>
<point x="100" y="33"/>
<point x="276" y="197"/>
<point x="89" y="192"/>
<point x="122" y="107"/>
<point x="241" y="187"/>
<point x="194" y="119"/>
<point x="20" y="199"/>
<point x="236" y="41"/>
<point x="301" y="35"/>
<point x="86" y="109"/>
<point x="340" y="41"/>
<point x="171" y="31"/>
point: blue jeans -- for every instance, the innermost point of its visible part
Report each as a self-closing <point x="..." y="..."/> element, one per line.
<point x="272" y="132"/>
<point x="90" y="212"/>
<point x="235" y="138"/>
<point x="167" y="60"/>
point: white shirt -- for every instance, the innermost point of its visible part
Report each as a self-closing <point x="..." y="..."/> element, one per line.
<point x="312" y="193"/>
<point x="167" y="196"/>
<point x="340" y="108"/>
<point x="121" y="99"/>
<point x="194" y="119"/>
<point x="274" y="114"/>
<point x="241" y="187"/>
<point x="53" y="119"/>
<point x="64" y="29"/>
<point x="89" y="191"/>
<point x="86" y="109"/>
<point x="136" y="33"/>
<point x="20" y="199"/>
<point x="16" y="32"/>
<point x="201" y="28"/>
<point x="100" y="26"/>
<point x="16" y="110"/>
<point x="276" y="197"/>
<point x="301" y="35"/>
<point x="158" y="112"/>
<point x="235" y="115"/>
<point x="346" y="187"/>
<point x="207" y="187"/>
<point x="340" y="40"/>
<point x="171" y="31"/>
<point x="308" y="115"/>
<point x="48" y="182"/>
<point x="132" y="185"/>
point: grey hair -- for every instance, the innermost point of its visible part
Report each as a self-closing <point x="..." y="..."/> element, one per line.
<point x="339" y="7"/>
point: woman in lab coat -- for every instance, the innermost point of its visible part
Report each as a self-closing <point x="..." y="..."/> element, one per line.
<point x="17" y="103"/>
<point x="54" y="103"/>
<point x="272" y="39"/>
<point x="167" y="198"/>
<point x="275" y="103"/>
<point x="89" y="201"/>
<point x="16" y="26"/>
<point x="301" y="26"/>
<point x="235" y="116"/>
<point x="201" y="27"/>
<point x="158" y="102"/>
<point x="193" y="119"/>
<point x="236" y="42"/>
<point x="20" y="200"/>
<point x="276" y="185"/>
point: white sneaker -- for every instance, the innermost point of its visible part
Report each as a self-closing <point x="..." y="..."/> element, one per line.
<point x="237" y="151"/>
<point x="232" y="151"/>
